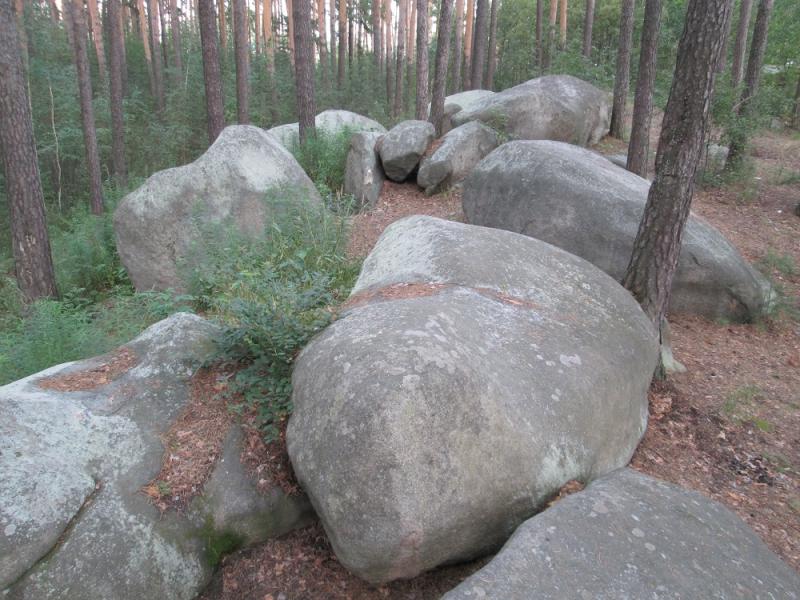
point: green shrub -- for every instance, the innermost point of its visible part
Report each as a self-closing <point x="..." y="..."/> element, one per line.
<point x="324" y="157"/>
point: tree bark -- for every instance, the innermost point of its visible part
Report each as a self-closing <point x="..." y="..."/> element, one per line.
<point x="639" y="146"/>
<point x="144" y="31"/>
<point x="342" y="43"/>
<point x="290" y="29"/>
<point x="458" y="52"/>
<point x="421" y="106"/>
<point x="323" y="41"/>
<point x="54" y="13"/>
<point x="241" y="51"/>
<point x="622" y="78"/>
<point x="29" y="240"/>
<point x="739" y="47"/>
<point x="796" y="115"/>
<point x="304" y="68"/>
<point x="332" y="10"/>
<point x="492" y="65"/>
<point x="97" y="38"/>
<point x="658" y="241"/>
<point x="269" y="47"/>
<point x="539" y="54"/>
<point x="223" y="26"/>
<point x="468" y="45"/>
<point x="562" y="21"/>
<point x="588" y="25"/>
<point x="401" y="40"/>
<point x="74" y="10"/>
<point x="117" y="67"/>
<point x="389" y="57"/>
<point x="215" y="117"/>
<point x="157" y="62"/>
<point x="479" y="44"/>
<point x="376" y="34"/>
<point x="752" y="79"/>
<point x="177" y="45"/>
<point x="551" y="30"/>
<point x="440" y="69"/>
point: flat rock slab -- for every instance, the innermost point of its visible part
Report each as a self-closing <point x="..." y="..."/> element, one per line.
<point x="473" y="372"/>
<point x="631" y="536"/>
<point x="577" y="200"/>
<point x="402" y="148"/>
<point x="331" y="121"/>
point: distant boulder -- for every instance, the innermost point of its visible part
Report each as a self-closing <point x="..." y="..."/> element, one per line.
<point x="472" y="373"/>
<point x="331" y="122"/>
<point x="456" y="153"/>
<point x="363" y="175"/>
<point x="579" y="201"/>
<point x="157" y="224"/>
<point x="628" y="535"/>
<point x="553" y="107"/>
<point x="402" y="148"/>
<point x="460" y="101"/>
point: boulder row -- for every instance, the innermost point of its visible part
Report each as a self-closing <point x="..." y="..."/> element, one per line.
<point x="472" y="373"/>
<point x="331" y="122"/>
<point x="157" y="225"/>
<point x="363" y="175"/>
<point x="578" y="200"/>
<point x="402" y="148"/>
<point x="631" y="536"/>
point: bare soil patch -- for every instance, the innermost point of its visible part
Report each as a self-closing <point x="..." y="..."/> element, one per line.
<point x="119" y="362"/>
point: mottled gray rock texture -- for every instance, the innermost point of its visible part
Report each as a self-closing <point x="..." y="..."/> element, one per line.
<point x="474" y="373"/>
<point x="74" y="522"/>
<point x="458" y="152"/>
<point x="629" y="536"/>
<point x="363" y="175"/>
<point x="460" y="101"/>
<point x="553" y="107"/>
<point x="331" y="122"/>
<point x="402" y="148"/>
<point x="621" y="160"/>
<point x="157" y="224"/>
<point x="576" y="199"/>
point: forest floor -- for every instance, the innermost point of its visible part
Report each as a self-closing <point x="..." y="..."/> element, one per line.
<point x="729" y="427"/>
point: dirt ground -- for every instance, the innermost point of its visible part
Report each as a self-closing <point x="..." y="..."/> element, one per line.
<point x="729" y="427"/>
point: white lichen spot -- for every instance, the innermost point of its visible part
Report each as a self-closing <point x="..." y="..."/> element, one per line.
<point x="650" y="547"/>
<point x="569" y="361"/>
<point x="637" y="532"/>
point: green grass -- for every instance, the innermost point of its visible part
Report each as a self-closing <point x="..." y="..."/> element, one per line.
<point x="780" y="262"/>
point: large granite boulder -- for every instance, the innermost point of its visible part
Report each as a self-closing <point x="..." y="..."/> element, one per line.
<point x="457" y="153"/>
<point x="472" y="373"/>
<point x="631" y="536"/>
<point x="239" y="181"/>
<point x="402" y="148"/>
<point x="460" y="101"/>
<point x="553" y="107"/>
<point x="575" y="199"/>
<point x="331" y="121"/>
<point x="363" y="175"/>
<point x="77" y="444"/>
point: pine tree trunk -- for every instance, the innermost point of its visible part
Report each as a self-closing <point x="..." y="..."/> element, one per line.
<point x="342" y="43"/>
<point x="97" y="38"/>
<point x="332" y="10"/>
<point x="401" y="40"/>
<point x="658" y="241"/>
<point x="739" y="47"/>
<point x="458" y="51"/>
<point x="492" y="66"/>
<point x="304" y="68"/>
<point x="121" y="26"/>
<point x="752" y="79"/>
<point x="290" y="29"/>
<point x="177" y="45"/>
<point x="622" y="78"/>
<point x="639" y="146"/>
<point x="155" y="53"/>
<point x="144" y="31"/>
<point x="538" y="50"/>
<point x="117" y="67"/>
<point x="215" y="117"/>
<point x="588" y="25"/>
<point x="562" y="21"/>
<point x="223" y="26"/>
<point x="421" y="106"/>
<point x="241" y="51"/>
<point x="440" y="69"/>
<point x="269" y="46"/>
<point x="389" y="58"/>
<point x="468" y="45"/>
<point x="323" y="41"/>
<point x="74" y="10"/>
<point x="479" y="44"/>
<point x="163" y="30"/>
<point x="29" y="240"/>
<point x="350" y="38"/>
<point x="551" y="31"/>
<point x="376" y="34"/>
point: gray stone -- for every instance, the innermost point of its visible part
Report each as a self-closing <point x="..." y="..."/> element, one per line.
<point x="629" y="536"/>
<point x="460" y="101"/>
<point x="430" y="422"/>
<point x="402" y="148"/>
<point x="331" y="122"/>
<point x="579" y="201"/>
<point x="73" y="520"/>
<point x="621" y="160"/>
<point x="458" y="152"/>
<point x="363" y="175"/>
<point x="553" y="107"/>
<point x="157" y="225"/>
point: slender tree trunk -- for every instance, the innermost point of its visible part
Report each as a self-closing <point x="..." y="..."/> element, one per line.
<point x="29" y="240"/>
<point x="639" y="146"/>
<point x="269" y="46"/>
<point x="421" y="106"/>
<point x="323" y="41"/>
<point x="163" y="30"/>
<point x="304" y="68"/>
<point x="117" y="67"/>
<point x="350" y="40"/>
<point x="97" y="38"/>
<point x="342" y="43"/>
<point x="74" y="10"/>
<point x="376" y="34"/>
<point x="257" y="25"/>
<point x="468" y="44"/>
<point x="332" y="11"/>
<point x="223" y="26"/>
<point x="54" y="13"/>
<point x="622" y="78"/>
<point x="121" y="25"/>
<point x="144" y="32"/>
<point x="458" y="52"/>
<point x="492" y="65"/>
<point x="401" y="40"/>
<point x="551" y="31"/>
<point x="723" y="58"/>
<point x="479" y="44"/>
<point x="155" y="52"/>
<point x="411" y="30"/>
<point x="658" y="241"/>
<point x="215" y="117"/>
<point x="538" y="50"/>
<point x="751" y="81"/>
<point x="440" y="69"/>
<point x="390" y="98"/>
<point x="739" y="47"/>
<point x="562" y="21"/>
<point x="241" y="51"/>
<point x="588" y="25"/>
<point x="177" y="46"/>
